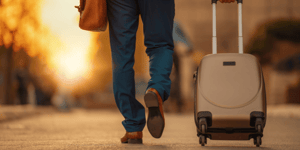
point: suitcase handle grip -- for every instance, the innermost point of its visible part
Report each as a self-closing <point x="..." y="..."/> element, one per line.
<point x="240" y="27"/>
<point x="215" y="1"/>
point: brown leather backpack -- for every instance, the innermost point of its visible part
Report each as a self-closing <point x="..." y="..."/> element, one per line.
<point x="93" y="15"/>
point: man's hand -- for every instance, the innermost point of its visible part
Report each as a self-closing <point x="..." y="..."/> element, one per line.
<point x="226" y="1"/>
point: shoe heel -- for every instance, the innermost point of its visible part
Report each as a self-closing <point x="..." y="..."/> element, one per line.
<point x="151" y="100"/>
<point x="135" y="141"/>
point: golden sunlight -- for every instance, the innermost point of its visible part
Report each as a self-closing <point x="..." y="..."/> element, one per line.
<point x="71" y="59"/>
<point x="73" y="66"/>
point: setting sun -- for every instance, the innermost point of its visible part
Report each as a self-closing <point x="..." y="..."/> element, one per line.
<point x="73" y="66"/>
<point x="70" y="47"/>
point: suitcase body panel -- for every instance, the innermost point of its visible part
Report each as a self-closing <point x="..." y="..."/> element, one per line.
<point x="230" y="87"/>
<point x="230" y="96"/>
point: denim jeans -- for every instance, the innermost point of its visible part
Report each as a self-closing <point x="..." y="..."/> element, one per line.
<point x="158" y="18"/>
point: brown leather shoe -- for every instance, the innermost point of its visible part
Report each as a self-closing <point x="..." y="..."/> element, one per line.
<point x="133" y="138"/>
<point x="156" y="120"/>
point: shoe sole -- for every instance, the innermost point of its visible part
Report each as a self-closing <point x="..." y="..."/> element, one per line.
<point x="135" y="141"/>
<point x="155" y="122"/>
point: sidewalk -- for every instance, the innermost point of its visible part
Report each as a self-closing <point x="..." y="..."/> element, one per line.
<point x="12" y="112"/>
<point x="286" y="110"/>
<point x="102" y="129"/>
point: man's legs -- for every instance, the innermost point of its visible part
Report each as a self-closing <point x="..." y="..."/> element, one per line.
<point x="158" y="16"/>
<point x="158" y="19"/>
<point x="123" y="23"/>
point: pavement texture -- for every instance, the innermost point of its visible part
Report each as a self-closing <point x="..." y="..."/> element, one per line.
<point x="12" y="112"/>
<point x="47" y="128"/>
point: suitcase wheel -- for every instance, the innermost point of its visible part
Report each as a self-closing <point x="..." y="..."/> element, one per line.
<point x="259" y="129"/>
<point x="202" y="125"/>
<point x="257" y="141"/>
<point x="203" y="128"/>
<point x="202" y="140"/>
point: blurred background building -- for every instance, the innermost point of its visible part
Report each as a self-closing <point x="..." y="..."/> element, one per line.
<point x="45" y="59"/>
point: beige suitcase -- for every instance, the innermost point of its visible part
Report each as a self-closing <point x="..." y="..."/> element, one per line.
<point x="230" y="97"/>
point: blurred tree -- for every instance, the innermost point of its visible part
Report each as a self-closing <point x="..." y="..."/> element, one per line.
<point x="268" y="33"/>
<point x="19" y="23"/>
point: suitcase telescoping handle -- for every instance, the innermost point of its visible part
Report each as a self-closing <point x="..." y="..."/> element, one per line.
<point x="240" y="28"/>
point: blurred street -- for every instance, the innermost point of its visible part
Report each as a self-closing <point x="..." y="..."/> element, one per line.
<point x="102" y="129"/>
<point x="56" y="80"/>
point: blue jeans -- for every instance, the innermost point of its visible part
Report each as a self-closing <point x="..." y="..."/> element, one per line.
<point x="157" y="17"/>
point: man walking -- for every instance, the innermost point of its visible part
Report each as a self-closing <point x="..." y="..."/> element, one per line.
<point x="157" y="17"/>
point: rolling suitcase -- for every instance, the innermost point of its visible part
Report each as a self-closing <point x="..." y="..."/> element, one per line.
<point x="230" y="97"/>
